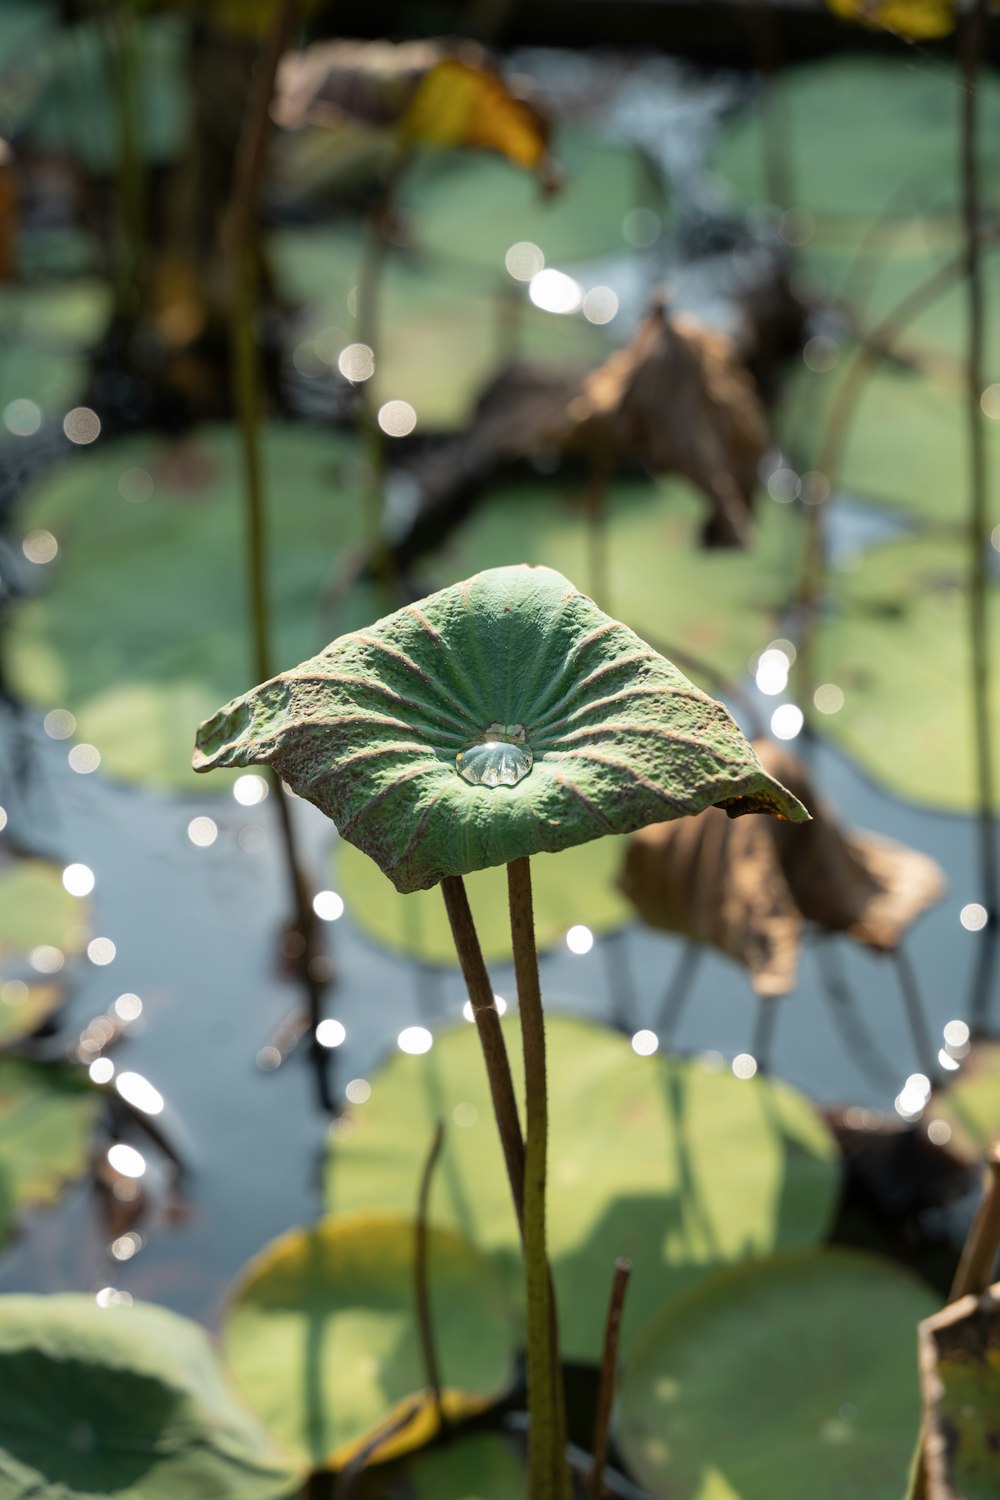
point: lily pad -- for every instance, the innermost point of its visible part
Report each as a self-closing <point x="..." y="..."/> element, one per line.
<point x="160" y="584"/>
<point x="575" y="886"/>
<point x="970" y="1104"/>
<point x="477" y="1466"/>
<point x="47" y="1114"/>
<point x="127" y="1401"/>
<point x="907" y="444"/>
<point x="504" y="716"/>
<point x="321" y="1337"/>
<point x="47" y="331"/>
<point x="960" y="1377"/>
<point x="719" y="605"/>
<point x="896" y="643"/>
<point x="476" y="207"/>
<point x="35" y="908"/>
<point x="655" y="1158"/>
<point x="794" y="1376"/>
<point x="867" y="139"/>
<point x="441" y="338"/>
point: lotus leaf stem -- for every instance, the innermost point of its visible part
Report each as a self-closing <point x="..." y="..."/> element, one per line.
<point x="609" y="1364"/>
<point x="425" y="1322"/>
<point x="913" y="1005"/>
<point x="549" y="1476"/>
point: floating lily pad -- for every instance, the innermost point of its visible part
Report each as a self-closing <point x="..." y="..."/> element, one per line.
<point x="907" y="444"/>
<point x="500" y="717"/>
<point x="47" y="331"/>
<point x="476" y="207"/>
<point x="654" y="1158"/>
<point x="160" y="585"/>
<point x="47" y="1114"/>
<point x="36" y="908"/>
<point x="322" y="1339"/>
<point x="794" y="1376"/>
<point x="719" y="605"/>
<point x="867" y="139"/>
<point x="575" y="886"/>
<point x="960" y="1378"/>
<point x="896" y="643"/>
<point x="441" y="338"/>
<point x="970" y="1103"/>
<point x="478" y="1466"/>
<point x="124" y="1401"/>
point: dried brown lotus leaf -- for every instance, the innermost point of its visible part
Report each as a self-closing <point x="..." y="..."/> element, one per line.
<point x="960" y="1382"/>
<point x="422" y="92"/>
<point x="849" y="881"/>
<point x="747" y="887"/>
<point x="719" y="882"/>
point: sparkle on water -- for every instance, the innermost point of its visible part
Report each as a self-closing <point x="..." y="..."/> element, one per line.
<point x="128" y="1007"/>
<point x="465" y="1114"/>
<point x="78" y="880"/>
<point x="415" y="1040"/>
<point x="784" y="485"/>
<point x="744" y="1065"/>
<point x="579" y="939"/>
<point x="356" y="363"/>
<point x="110" y="1296"/>
<point x="939" y="1132"/>
<point x="84" y="759"/>
<point x="397" y="418"/>
<point x="555" y="292"/>
<point x="829" y="698"/>
<point x="202" y="832"/>
<point x="911" y="1101"/>
<point x="645" y="1043"/>
<point x="59" y="724"/>
<point x="3" y="818"/>
<point x="787" y="721"/>
<point x="973" y="917"/>
<point x="126" y="1160"/>
<point x="22" y="417"/>
<point x="249" y="789"/>
<point x="600" y="304"/>
<point x="135" y="486"/>
<point x="524" y="260"/>
<point x="499" y="758"/>
<point x="328" y="906"/>
<point x="772" y="671"/>
<point x="140" y="1093"/>
<point x="358" y="1091"/>
<point x="330" y="1033"/>
<point x="40" y="547"/>
<point x="101" y="1070"/>
<point x="45" y="959"/>
<point x="101" y="950"/>
<point x="957" y="1037"/>
<point x="126" y="1245"/>
<point x="82" y="425"/>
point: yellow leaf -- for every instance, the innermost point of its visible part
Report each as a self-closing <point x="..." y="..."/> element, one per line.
<point x="463" y="104"/>
<point x="912" y="18"/>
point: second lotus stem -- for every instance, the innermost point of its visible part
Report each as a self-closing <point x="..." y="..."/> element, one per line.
<point x="549" y="1476"/>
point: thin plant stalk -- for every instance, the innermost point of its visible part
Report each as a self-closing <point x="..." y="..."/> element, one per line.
<point x="422" y="1292"/>
<point x="239" y="231"/>
<point x="484" y="1013"/>
<point x="549" y="1476"/>
<point x="609" y="1368"/>
<point x="763" y="1032"/>
<point x="130" y="195"/>
<point x="916" y="1018"/>
<point x="677" y="991"/>
<point x="858" y="1042"/>
<point x="978" y="522"/>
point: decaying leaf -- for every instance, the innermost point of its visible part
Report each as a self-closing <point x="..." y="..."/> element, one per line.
<point x="420" y="93"/>
<point x="960" y="1381"/>
<point x="676" y="400"/>
<point x="748" y="887"/>
<point x="911" y="18"/>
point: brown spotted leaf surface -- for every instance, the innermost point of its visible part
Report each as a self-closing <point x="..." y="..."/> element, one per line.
<point x="513" y="668"/>
<point x="749" y="888"/>
<point x="960" y="1381"/>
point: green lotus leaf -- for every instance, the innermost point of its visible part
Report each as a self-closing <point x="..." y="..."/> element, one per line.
<point x="128" y="1401"/>
<point x="36" y="908"/>
<point x="575" y="886"/>
<point x="131" y="519"/>
<point x="656" y="1158"/>
<point x="793" y="1376"/>
<point x="47" y="1113"/>
<point x="474" y="1466"/>
<point x="321" y="1337"/>
<point x="969" y="1103"/>
<point x="895" y="641"/>
<point x="866" y="140"/>
<point x="501" y="717"/>
<point x="720" y="604"/>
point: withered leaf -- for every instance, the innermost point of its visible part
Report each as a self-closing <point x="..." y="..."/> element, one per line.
<point x="909" y="18"/>
<point x="748" y="888"/>
<point x="960" y="1382"/>
<point x="417" y="93"/>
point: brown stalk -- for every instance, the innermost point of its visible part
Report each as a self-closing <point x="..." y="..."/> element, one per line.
<point x="422" y="1291"/>
<point x="484" y="1011"/>
<point x="238" y="234"/>
<point x="609" y="1365"/>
